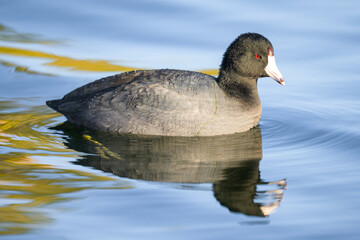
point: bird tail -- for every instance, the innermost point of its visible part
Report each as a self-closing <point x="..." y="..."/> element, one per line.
<point x="54" y="104"/>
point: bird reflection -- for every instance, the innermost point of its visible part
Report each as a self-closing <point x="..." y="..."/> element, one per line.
<point x="230" y="162"/>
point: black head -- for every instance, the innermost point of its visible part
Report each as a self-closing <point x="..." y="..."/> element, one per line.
<point x="249" y="56"/>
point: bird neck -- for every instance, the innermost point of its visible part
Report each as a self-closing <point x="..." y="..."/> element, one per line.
<point x="244" y="89"/>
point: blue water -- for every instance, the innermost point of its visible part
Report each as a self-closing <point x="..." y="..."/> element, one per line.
<point x="296" y="176"/>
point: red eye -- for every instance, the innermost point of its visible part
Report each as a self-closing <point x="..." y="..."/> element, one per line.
<point x="257" y="56"/>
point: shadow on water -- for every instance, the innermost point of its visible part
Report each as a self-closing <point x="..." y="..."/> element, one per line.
<point x="230" y="163"/>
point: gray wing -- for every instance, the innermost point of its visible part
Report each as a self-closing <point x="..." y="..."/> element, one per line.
<point x="148" y="102"/>
<point x="87" y="91"/>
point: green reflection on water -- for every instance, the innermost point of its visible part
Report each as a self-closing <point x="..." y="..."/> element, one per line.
<point x="19" y="68"/>
<point x="8" y="34"/>
<point x="27" y="186"/>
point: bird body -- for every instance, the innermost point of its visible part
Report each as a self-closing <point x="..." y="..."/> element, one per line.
<point x="173" y="102"/>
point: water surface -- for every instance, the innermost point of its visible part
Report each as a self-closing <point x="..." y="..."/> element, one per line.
<point x="293" y="177"/>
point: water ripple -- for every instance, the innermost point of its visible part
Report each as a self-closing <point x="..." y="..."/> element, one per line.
<point x="313" y="128"/>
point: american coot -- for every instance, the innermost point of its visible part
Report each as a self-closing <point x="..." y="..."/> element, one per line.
<point x="177" y="102"/>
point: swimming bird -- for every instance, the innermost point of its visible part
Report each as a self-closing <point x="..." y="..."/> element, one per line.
<point x="178" y="102"/>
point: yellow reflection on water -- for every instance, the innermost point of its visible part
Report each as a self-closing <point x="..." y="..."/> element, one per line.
<point x="73" y="64"/>
<point x="20" y="129"/>
<point x="7" y="34"/>
<point x="77" y="64"/>
<point x="27" y="187"/>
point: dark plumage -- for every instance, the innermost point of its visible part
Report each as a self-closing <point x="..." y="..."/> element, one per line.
<point x="176" y="102"/>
